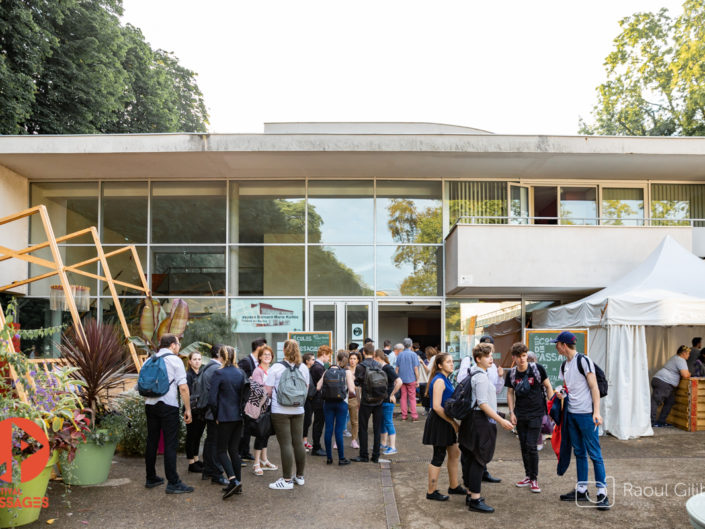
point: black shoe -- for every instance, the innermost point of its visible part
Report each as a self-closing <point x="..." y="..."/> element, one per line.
<point x="479" y="505"/>
<point x="468" y="499"/>
<point x="196" y="467"/>
<point x="374" y="459"/>
<point x="178" y="488"/>
<point x="153" y="482"/>
<point x="574" y="495"/>
<point x="359" y="459"/>
<point x="329" y="461"/>
<point x="234" y="487"/>
<point x="458" y="490"/>
<point x="247" y="457"/>
<point x="435" y="495"/>
<point x="487" y="477"/>
<point x="220" y="480"/>
<point x="343" y="461"/>
<point x="318" y="452"/>
<point x="603" y="502"/>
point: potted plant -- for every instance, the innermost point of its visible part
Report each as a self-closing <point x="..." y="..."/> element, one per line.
<point x="53" y="405"/>
<point x="100" y="363"/>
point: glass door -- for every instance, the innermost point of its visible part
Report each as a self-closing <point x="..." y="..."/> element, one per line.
<point x="348" y="321"/>
<point x="324" y="318"/>
<point x="518" y="204"/>
<point x="357" y="323"/>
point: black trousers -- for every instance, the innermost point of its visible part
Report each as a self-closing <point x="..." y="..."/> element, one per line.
<point x="662" y="392"/>
<point x="244" y="446"/>
<point x="365" y="412"/>
<point x="472" y="470"/>
<point x="319" y="421"/>
<point x="308" y="415"/>
<point x="194" y="432"/>
<point x="211" y="466"/>
<point x="162" y="418"/>
<point x="229" y="434"/>
<point x="529" y="431"/>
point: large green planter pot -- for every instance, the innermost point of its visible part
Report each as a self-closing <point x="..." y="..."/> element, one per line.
<point x="31" y="493"/>
<point x="91" y="465"/>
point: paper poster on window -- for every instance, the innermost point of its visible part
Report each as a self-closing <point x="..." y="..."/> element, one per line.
<point x="266" y="315"/>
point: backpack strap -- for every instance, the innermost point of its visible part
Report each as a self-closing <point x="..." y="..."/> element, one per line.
<point x="513" y="375"/>
<point x="580" y="364"/>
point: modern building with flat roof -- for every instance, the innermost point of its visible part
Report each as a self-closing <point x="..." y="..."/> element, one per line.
<point x="437" y="232"/>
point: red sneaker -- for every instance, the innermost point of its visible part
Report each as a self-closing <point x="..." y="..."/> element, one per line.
<point x="535" y="486"/>
<point x="523" y="483"/>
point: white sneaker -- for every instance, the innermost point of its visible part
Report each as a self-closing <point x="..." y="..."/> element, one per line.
<point x="299" y="480"/>
<point x="282" y="484"/>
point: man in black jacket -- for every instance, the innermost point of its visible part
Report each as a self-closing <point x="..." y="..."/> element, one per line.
<point x="323" y="356"/>
<point x="368" y="351"/>
<point x="211" y="466"/>
<point x="248" y="365"/>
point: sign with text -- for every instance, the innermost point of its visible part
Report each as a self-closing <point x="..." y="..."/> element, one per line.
<point x="267" y="315"/>
<point x="539" y="341"/>
<point x="309" y="342"/>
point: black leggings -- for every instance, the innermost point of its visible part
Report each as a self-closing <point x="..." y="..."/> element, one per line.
<point x="194" y="432"/>
<point x="439" y="455"/>
<point x="261" y="442"/>
<point x="229" y="434"/>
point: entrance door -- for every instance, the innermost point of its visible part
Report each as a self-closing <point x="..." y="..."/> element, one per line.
<point x="350" y="321"/>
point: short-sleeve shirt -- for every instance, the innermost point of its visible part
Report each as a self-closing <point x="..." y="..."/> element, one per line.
<point x="534" y="404"/>
<point x="177" y="376"/>
<point x="670" y="373"/>
<point x="273" y="376"/>
<point x="482" y="390"/>
<point x="579" y="395"/>
<point x="406" y="362"/>
<point x="391" y="377"/>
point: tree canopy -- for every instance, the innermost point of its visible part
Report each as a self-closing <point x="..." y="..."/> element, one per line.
<point x="71" y="67"/>
<point x="655" y="77"/>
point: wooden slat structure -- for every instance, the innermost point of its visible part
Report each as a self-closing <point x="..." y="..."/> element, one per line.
<point x="58" y="268"/>
<point x="688" y="413"/>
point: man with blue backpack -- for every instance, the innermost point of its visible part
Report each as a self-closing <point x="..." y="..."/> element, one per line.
<point x="158" y="381"/>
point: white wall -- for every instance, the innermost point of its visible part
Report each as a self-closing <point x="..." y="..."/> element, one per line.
<point x="14" y="197"/>
<point x="394" y="328"/>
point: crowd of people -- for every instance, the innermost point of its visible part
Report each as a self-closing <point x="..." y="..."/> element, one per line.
<point x="231" y="402"/>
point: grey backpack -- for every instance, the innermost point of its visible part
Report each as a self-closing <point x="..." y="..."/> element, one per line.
<point x="292" y="389"/>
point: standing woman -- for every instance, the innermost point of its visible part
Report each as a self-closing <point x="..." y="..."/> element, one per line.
<point x="335" y="409"/>
<point x="424" y="374"/>
<point x="288" y="421"/>
<point x="388" y="435"/>
<point x="224" y="401"/>
<point x="354" y="402"/>
<point x="440" y="430"/>
<point x="265" y="356"/>
<point x="194" y="429"/>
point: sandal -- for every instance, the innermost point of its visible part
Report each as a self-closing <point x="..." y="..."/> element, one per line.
<point x="267" y="465"/>
<point x="256" y="470"/>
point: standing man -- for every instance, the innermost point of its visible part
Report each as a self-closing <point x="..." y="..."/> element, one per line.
<point x="391" y="355"/>
<point x="163" y="416"/>
<point x="407" y="367"/>
<point x="323" y="357"/>
<point x="664" y="385"/>
<point x="367" y="407"/>
<point x="211" y="465"/>
<point x="248" y="365"/>
<point x="697" y="343"/>
<point x="582" y="419"/>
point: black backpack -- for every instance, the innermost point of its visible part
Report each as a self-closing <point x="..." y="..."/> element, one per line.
<point x="460" y="403"/>
<point x="374" y="385"/>
<point x="335" y="384"/>
<point x="599" y="374"/>
<point x="199" y="398"/>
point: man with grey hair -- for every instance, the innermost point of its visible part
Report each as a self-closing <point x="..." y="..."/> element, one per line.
<point x="407" y="366"/>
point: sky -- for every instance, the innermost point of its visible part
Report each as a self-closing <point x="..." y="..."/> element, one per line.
<point x="510" y="67"/>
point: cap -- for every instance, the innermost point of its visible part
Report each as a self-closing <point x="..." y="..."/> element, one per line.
<point x="487" y="339"/>
<point x="565" y="337"/>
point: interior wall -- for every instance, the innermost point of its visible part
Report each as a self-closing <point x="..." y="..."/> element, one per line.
<point x="393" y="328"/>
<point x="14" y="197"/>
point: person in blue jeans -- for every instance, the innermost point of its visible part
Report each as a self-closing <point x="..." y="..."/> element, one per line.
<point x="583" y="419"/>
<point x="335" y="407"/>
<point x="388" y="432"/>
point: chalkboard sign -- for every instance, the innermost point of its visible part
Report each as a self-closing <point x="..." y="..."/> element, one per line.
<point x="539" y="341"/>
<point x="309" y="342"/>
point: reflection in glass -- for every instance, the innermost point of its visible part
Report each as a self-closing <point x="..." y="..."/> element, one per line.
<point x="267" y="271"/>
<point x="267" y="212"/>
<point x="340" y="270"/>
<point x="71" y="207"/>
<point x="188" y="212"/>
<point x="324" y="319"/>
<point x="676" y="202"/>
<point x="340" y="211"/>
<point x="122" y="267"/>
<point x="70" y="255"/>
<point x="409" y="270"/>
<point x="408" y="211"/>
<point x="478" y="202"/>
<point x="579" y="205"/>
<point x="519" y="205"/>
<point x="196" y="271"/>
<point x="624" y="206"/>
<point x="124" y="212"/>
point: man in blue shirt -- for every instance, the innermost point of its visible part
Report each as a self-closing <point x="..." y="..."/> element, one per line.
<point x="407" y="366"/>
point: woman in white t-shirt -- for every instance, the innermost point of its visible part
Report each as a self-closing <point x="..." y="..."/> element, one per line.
<point x="288" y="421"/>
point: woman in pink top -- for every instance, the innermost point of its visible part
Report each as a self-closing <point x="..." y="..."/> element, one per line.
<point x="261" y="463"/>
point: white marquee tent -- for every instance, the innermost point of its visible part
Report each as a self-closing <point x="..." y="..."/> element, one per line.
<point x="635" y="325"/>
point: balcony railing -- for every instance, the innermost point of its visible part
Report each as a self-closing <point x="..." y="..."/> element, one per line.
<point x="581" y="221"/>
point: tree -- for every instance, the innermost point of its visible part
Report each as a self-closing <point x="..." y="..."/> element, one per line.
<point x="655" y="77"/>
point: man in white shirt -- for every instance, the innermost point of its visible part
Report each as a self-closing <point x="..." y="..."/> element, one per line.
<point x="163" y="416"/>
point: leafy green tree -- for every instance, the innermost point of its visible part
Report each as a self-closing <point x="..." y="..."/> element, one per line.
<point x="655" y="77"/>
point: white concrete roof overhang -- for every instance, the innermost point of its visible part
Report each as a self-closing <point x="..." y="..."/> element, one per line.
<point x="189" y="156"/>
